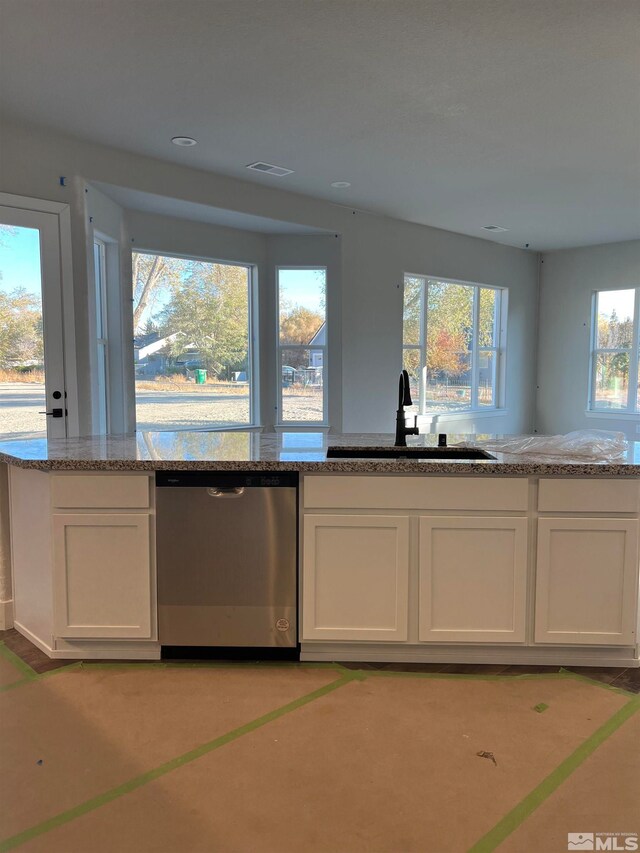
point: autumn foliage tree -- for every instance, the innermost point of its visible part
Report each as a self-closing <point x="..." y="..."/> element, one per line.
<point x="20" y="328"/>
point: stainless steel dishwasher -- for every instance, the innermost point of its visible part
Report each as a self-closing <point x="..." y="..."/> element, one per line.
<point x="227" y="559"/>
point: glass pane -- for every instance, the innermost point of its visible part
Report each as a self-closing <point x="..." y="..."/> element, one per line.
<point x="98" y="264"/>
<point x="22" y="391"/>
<point x="191" y="343"/>
<point x="449" y="339"/>
<point x="638" y="391"/>
<point x="302" y="308"/>
<point x="412" y="310"/>
<point x="488" y="331"/>
<point x="449" y="390"/>
<point x="615" y="319"/>
<point x="101" y="368"/>
<point x="411" y="363"/>
<point x="486" y="378"/>
<point x="302" y="385"/>
<point x="611" y="380"/>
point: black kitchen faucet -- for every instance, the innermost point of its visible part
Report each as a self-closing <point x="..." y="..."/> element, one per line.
<point x="404" y="399"/>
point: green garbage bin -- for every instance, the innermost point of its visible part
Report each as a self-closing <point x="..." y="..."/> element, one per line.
<point x="201" y="376"/>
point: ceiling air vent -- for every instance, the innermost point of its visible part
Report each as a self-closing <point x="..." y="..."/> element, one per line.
<point x="494" y="228"/>
<point x="269" y="169"/>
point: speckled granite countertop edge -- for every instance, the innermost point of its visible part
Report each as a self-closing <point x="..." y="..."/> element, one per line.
<point x="490" y="468"/>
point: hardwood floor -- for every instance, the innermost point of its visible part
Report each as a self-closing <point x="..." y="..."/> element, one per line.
<point x="626" y="679"/>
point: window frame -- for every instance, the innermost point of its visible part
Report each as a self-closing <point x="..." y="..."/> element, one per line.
<point x="498" y="350"/>
<point x="632" y="408"/>
<point x="101" y="336"/>
<point x="280" y="422"/>
<point x="252" y="339"/>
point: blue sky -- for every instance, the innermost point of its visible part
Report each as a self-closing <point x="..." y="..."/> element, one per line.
<point x="20" y="260"/>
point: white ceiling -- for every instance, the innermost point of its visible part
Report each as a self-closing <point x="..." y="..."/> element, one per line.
<point x="151" y="203"/>
<point x="451" y="113"/>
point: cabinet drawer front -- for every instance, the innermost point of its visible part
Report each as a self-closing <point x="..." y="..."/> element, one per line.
<point x="409" y="492"/>
<point x="100" y="491"/>
<point x="588" y="495"/>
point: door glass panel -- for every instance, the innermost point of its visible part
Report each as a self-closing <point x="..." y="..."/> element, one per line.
<point x="302" y="384"/>
<point x="191" y="343"/>
<point x="22" y="385"/>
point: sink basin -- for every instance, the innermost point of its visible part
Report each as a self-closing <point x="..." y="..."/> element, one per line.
<point x="407" y="453"/>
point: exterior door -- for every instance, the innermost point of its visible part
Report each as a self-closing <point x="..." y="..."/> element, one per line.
<point x="32" y="387"/>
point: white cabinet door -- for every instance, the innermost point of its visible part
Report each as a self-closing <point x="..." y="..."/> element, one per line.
<point x="355" y="577"/>
<point x="473" y="574"/>
<point x="586" y="584"/>
<point x="102" y="575"/>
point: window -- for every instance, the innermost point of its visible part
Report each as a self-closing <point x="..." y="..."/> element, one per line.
<point x="452" y="344"/>
<point x="615" y="351"/>
<point x="101" y="377"/>
<point x="192" y="343"/>
<point x="302" y="345"/>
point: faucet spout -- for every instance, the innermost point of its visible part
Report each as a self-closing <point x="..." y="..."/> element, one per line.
<point x="404" y="399"/>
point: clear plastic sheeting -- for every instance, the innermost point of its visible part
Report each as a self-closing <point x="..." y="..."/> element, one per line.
<point x="584" y="445"/>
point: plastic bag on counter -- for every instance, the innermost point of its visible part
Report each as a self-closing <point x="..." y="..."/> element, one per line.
<point x="583" y="445"/>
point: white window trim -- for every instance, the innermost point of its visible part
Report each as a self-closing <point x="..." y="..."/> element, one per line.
<point x="253" y="338"/>
<point x="101" y="383"/>
<point x="280" y="423"/>
<point x="499" y="373"/>
<point x="632" y="410"/>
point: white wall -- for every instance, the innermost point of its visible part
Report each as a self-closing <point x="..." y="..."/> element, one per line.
<point x="376" y="251"/>
<point x="568" y="280"/>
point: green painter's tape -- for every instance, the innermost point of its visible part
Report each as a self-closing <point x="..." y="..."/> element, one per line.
<point x="526" y="807"/>
<point x="18" y="663"/>
<point x="163" y="769"/>
<point x="567" y="673"/>
<point x="540" y="707"/>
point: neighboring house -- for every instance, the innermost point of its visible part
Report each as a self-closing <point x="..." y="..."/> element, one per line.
<point x="318" y="340"/>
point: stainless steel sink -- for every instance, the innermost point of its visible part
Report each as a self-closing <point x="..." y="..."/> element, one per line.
<point x="407" y="453"/>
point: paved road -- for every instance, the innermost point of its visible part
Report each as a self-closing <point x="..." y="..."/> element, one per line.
<point x="189" y="409"/>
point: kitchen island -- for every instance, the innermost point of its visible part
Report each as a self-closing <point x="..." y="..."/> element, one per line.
<point x="505" y="560"/>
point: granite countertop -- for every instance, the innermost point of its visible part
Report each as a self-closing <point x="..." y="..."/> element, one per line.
<point x="251" y="450"/>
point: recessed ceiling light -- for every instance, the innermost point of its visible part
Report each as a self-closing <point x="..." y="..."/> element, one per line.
<point x="494" y="228"/>
<point x="184" y="141"/>
<point x="341" y="185"/>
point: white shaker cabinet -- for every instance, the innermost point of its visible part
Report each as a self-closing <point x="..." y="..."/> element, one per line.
<point x="587" y="562"/>
<point x="356" y="577"/>
<point x="102" y="556"/>
<point x="102" y="575"/>
<point x="83" y="560"/>
<point x="587" y="581"/>
<point x="473" y="579"/>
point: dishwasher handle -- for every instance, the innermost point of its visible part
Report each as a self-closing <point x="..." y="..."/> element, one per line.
<point x="226" y="492"/>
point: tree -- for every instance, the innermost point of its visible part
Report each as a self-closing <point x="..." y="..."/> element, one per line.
<point x="151" y="275"/>
<point x="449" y="311"/>
<point x="20" y="328"/>
<point x="209" y="307"/>
<point x="299" y="325"/>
